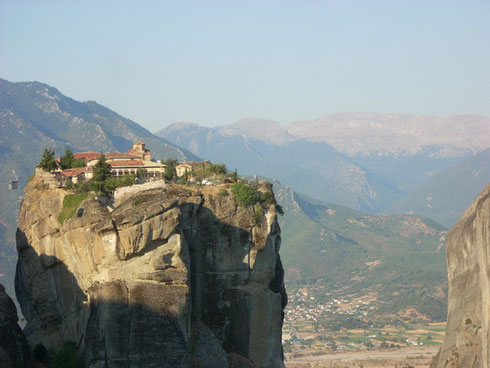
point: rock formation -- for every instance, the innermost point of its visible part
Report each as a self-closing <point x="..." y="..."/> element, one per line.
<point x="467" y="342"/>
<point x="13" y="344"/>
<point x="171" y="276"/>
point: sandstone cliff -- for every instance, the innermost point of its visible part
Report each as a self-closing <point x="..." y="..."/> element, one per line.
<point x="169" y="276"/>
<point x="13" y="344"/>
<point x="467" y="342"/>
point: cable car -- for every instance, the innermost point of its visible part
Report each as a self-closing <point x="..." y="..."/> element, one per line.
<point x="13" y="184"/>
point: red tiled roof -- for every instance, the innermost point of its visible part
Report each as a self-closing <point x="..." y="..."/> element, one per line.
<point x="126" y="163"/>
<point x="87" y="156"/>
<point x="76" y="171"/>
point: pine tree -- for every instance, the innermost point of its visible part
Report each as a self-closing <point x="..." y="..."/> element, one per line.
<point x="102" y="170"/>
<point x="47" y="161"/>
<point x="66" y="161"/>
<point x="170" y="171"/>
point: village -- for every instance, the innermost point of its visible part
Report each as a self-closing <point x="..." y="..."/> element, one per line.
<point x="344" y="323"/>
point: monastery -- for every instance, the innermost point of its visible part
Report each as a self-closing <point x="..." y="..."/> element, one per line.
<point x="131" y="162"/>
<point x="137" y="158"/>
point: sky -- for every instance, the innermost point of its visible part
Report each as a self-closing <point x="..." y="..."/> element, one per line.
<point x="215" y="62"/>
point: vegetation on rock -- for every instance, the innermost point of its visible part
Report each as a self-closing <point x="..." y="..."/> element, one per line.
<point x="47" y="162"/>
<point x="243" y="194"/>
<point x="70" y="205"/>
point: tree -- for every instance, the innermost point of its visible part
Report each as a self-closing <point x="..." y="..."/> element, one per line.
<point x="170" y="171"/>
<point x="78" y="163"/>
<point x="185" y="178"/>
<point x="217" y="168"/>
<point x="47" y="161"/>
<point x="102" y="170"/>
<point x="66" y="161"/>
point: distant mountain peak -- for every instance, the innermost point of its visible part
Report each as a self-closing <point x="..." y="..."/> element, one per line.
<point x="269" y="131"/>
<point x="388" y="133"/>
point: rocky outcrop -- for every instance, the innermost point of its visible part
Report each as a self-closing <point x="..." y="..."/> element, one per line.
<point x="467" y="342"/>
<point x="13" y="344"/>
<point x="171" y="276"/>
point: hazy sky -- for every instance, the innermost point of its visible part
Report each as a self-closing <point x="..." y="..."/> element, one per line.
<point x="214" y="62"/>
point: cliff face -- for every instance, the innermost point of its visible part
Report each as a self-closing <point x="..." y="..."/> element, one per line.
<point x="467" y="342"/>
<point x="13" y="344"/>
<point x="171" y="276"/>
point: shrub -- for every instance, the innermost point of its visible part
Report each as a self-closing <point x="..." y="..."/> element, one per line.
<point x="68" y="185"/>
<point x="267" y="198"/>
<point x="82" y="187"/>
<point x="258" y="213"/>
<point x="217" y="168"/>
<point x="243" y="194"/>
<point x="67" y="357"/>
<point x="70" y="205"/>
<point x="223" y="192"/>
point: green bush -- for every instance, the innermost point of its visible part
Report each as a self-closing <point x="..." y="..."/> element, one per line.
<point x="243" y="194"/>
<point x="267" y="198"/>
<point x="217" y="168"/>
<point x="258" y="213"/>
<point x="70" y="205"/>
<point x="223" y="192"/>
<point x="103" y="186"/>
<point x="67" y="357"/>
<point x="82" y="187"/>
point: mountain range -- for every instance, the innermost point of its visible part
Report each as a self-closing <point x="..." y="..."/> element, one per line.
<point x="376" y="163"/>
<point x="314" y="168"/>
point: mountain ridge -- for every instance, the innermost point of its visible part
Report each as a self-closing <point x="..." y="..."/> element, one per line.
<point x="397" y="133"/>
